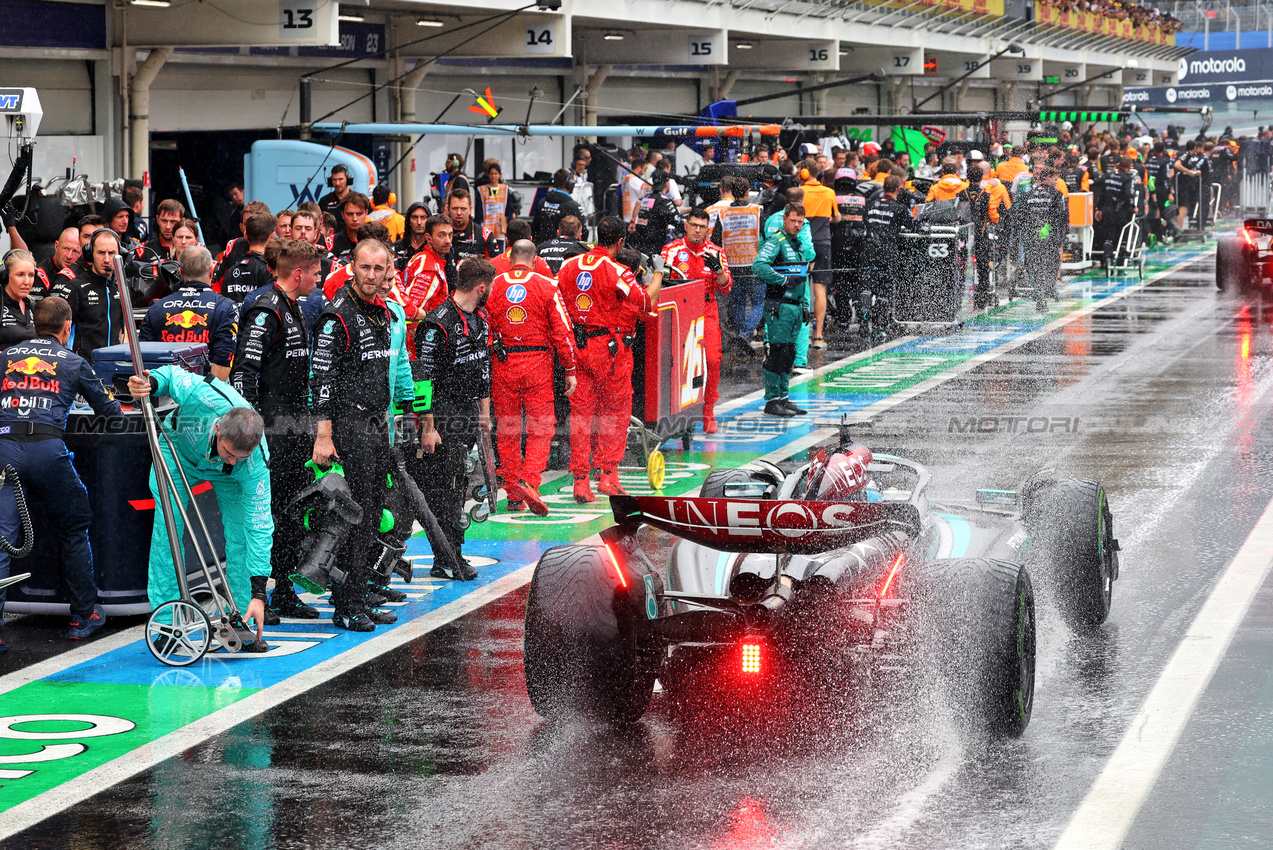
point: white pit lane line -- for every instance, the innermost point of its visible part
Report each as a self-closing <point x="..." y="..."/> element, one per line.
<point x="1110" y="808"/>
<point x="70" y="793"/>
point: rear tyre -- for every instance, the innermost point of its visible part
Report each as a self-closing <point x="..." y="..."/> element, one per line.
<point x="978" y="626"/>
<point x="714" y="485"/>
<point x="1072" y="544"/>
<point x="581" y="647"/>
<point x="1229" y="263"/>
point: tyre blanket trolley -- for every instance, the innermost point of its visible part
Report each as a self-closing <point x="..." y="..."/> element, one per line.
<point x="936" y="263"/>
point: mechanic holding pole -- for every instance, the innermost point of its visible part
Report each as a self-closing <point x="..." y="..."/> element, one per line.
<point x="690" y="258"/>
<point x="528" y="321"/>
<point x="605" y="302"/>
<point x="350" y="396"/>
<point x="41" y="379"/>
<point x="452" y="372"/>
<point x="784" y="307"/>
<point x="219" y="439"/>
<point x="271" y="372"/>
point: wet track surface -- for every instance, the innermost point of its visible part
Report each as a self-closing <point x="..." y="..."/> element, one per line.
<point x="1163" y="395"/>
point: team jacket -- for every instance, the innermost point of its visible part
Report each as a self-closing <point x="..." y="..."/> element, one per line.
<point x="452" y="369"/>
<point x="656" y="217"/>
<point x="194" y="313"/>
<point x="244" y="277"/>
<point x="15" y="324"/>
<point x="350" y="368"/>
<point x="235" y="250"/>
<point x="946" y="188"/>
<point x="526" y="314"/>
<point x="780" y="250"/>
<point x="41" y="380"/>
<point x="601" y="294"/>
<point x="271" y="367"/>
<point x="1045" y="216"/>
<point x="557" y="250"/>
<point x="555" y="206"/>
<point x="684" y="262"/>
<point x="425" y="282"/>
<point x="473" y="241"/>
<point x="201" y="402"/>
<point x="341" y="275"/>
<point x="95" y="311"/>
<point x="45" y="274"/>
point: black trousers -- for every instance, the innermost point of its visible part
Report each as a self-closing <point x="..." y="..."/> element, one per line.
<point x="363" y="447"/>
<point x="441" y="475"/>
<point x="291" y="444"/>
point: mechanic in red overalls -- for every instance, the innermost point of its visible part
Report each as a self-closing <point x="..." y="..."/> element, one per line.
<point x="604" y="301"/>
<point x="528" y="321"/>
<point x="426" y="282"/>
<point x="695" y="257"/>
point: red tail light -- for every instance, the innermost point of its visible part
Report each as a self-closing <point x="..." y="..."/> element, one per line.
<point x="751" y="658"/>
<point x="1246" y="234"/>
<point x="623" y="582"/>
<point x="892" y="573"/>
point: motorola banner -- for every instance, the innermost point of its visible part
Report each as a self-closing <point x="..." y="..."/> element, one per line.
<point x="1214" y="77"/>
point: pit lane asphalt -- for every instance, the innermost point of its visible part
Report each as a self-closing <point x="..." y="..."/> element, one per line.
<point x="1166" y="393"/>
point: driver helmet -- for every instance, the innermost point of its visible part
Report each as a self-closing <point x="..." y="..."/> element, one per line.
<point x="870" y="148"/>
<point x="844" y="476"/>
<point x="809" y="149"/>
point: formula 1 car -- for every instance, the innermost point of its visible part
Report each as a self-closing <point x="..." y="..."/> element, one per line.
<point x="843" y="559"/>
<point x="1244" y="263"/>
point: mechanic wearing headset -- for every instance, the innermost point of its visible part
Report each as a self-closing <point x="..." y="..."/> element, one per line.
<point x="692" y="258"/>
<point x="339" y="181"/>
<point x="95" y="311"/>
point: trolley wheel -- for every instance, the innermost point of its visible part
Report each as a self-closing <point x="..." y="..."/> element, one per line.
<point x="655" y="469"/>
<point x="178" y="633"/>
<point x="480" y="512"/>
<point x="479" y="492"/>
<point x="465" y="521"/>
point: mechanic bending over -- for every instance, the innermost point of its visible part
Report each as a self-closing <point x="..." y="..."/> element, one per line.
<point x="219" y="439"/>
<point x="42" y="377"/>
<point x="194" y="313"/>
<point x="785" y="310"/>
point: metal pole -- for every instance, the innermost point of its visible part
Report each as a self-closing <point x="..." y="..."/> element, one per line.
<point x="152" y="435"/>
<point x="190" y="201"/>
<point x="306" y="107"/>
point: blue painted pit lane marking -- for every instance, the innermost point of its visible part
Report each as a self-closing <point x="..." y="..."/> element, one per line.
<point x="134" y="665"/>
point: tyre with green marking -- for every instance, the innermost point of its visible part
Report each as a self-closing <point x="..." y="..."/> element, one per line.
<point x="977" y="625"/>
<point x="1072" y="547"/>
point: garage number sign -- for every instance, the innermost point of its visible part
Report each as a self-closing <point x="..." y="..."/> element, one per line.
<point x="297" y="18"/>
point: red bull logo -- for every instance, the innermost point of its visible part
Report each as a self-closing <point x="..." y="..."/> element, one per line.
<point x="32" y="366"/>
<point x="187" y="319"/>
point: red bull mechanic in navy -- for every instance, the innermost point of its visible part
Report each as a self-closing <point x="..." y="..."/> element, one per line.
<point x="40" y="381"/>
<point x="194" y="313"/>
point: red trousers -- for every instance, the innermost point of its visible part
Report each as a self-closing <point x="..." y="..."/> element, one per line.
<point x="601" y="408"/>
<point x="711" y="348"/>
<point x="523" y="384"/>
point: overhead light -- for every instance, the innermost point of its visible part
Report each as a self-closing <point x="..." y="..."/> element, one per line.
<point x="613" y="36"/>
<point x="158" y="4"/>
<point x="1131" y="63"/>
<point x="844" y="51"/>
<point x="744" y="45"/>
<point x="429" y="22"/>
<point x="350" y="16"/>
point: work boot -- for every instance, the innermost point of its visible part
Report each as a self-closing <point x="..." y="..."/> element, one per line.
<point x="464" y="573"/>
<point x="709" y="420"/>
<point x="583" y="490"/>
<point x="405" y="570"/>
<point x="608" y="485"/>
<point x="374" y="599"/>
<point x="354" y="620"/>
<point x="382" y="618"/>
<point x="290" y="605"/>
<point x="515" y="505"/>
<point x="272" y="618"/>
<point x="792" y="407"/>
<point x="778" y="407"/>
<point x="392" y="594"/>
<point x="530" y="496"/>
<point x="82" y="627"/>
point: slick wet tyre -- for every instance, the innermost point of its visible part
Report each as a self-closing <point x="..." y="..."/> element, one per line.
<point x="583" y="652"/>
<point x="1229" y="261"/>
<point x="977" y="623"/>
<point x="1072" y="547"/>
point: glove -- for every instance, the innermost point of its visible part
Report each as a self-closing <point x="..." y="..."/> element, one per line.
<point x="657" y="265"/>
<point x="793" y="281"/>
<point x="8" y="216"/>
<point x="711" y="262"/>
<point x="407" y="429"/>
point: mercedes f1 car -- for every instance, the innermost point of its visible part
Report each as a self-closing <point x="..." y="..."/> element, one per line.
<point x="844" y="558"/>
<point x="1244" y="263"/>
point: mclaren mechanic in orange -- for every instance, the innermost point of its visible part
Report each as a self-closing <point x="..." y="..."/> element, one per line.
<point x="194" y="313"/>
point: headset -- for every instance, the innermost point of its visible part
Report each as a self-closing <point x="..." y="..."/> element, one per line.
<point x="337" y="169"/>
<point x="96" y="234"/>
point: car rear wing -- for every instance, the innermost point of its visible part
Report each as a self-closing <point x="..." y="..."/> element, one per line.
<point x="780" y="527"/>
<point x="1259" y="225"/>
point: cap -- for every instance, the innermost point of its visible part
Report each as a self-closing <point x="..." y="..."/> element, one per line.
<point x="846" y="173"/>
<point x="975" y="156"/>
<point x="870" y="148"/>
<point x="659" y="179"/>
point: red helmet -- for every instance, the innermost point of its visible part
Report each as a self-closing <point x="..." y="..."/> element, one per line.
<point x="870" y="148"/>
<point x="845" y="475"/>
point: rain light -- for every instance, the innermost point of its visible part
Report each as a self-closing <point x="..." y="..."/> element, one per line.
<point x="892" y="573"/>
<point x="623" y="582"/>
<point x="751" y="658"/>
